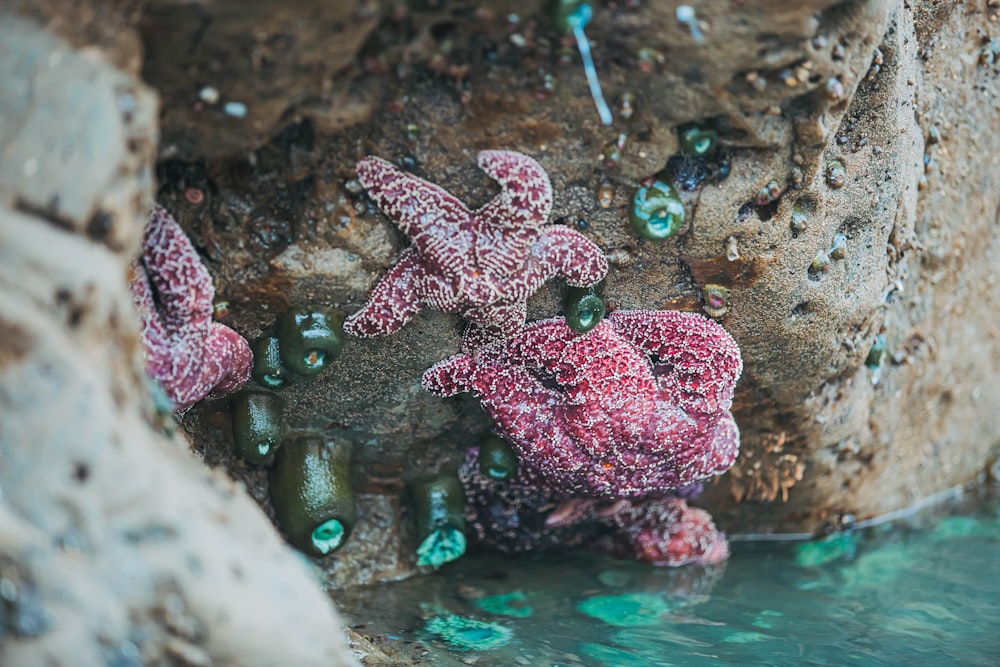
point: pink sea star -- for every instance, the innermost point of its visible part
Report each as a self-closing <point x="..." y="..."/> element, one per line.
<point x="637" y="406"/>
<point x="524" y="514"/>
<point x="667" y="531"/>
<point x="482" y="264"/>
<point x="187" y="353"/>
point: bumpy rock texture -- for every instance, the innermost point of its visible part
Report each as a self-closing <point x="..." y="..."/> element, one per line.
<point x="892" y="92"/>
<point x="901" y="95"/>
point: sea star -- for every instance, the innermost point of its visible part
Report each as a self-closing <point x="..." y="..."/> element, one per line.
<point x="594" y="414"/>
<point x="523" y="514"/>
<point x="481" y="264"/>
<point x="187" y="353"/>
<point x="667" y="531"/>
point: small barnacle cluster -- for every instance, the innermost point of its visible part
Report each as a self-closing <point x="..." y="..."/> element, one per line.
<point x="836" y="252"/>
<point x="766" y="471"/>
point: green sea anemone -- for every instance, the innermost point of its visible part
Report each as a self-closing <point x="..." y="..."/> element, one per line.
<point x="268" y="369"/>
<point x="877" y="352"/>
<point x="439" y="506"/>
<point x="657" y="211"/>
<point x="497" y="459"/>
<point x="584" y="307"/>
<point x="631" y="609"/>
<point x="257" y="423"/>
<point x="309" y="338"/>
<point x="509" y="604"/>
<point x="468" y="634"/>
<point x="697" y="140"/>
<point x="312" y="495"/>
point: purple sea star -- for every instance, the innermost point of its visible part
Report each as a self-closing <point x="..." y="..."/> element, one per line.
<point x="481" y="264"/>
<point x="187" y="353"/>
<point x="667" y="531"/>
<point x="524" y="514"/>
<point x="635" y="407"/>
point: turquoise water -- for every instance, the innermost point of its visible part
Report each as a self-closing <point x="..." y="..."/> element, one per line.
<point x="921" y="592"/>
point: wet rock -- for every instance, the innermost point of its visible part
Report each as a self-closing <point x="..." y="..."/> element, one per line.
<point x="229" y="73"/>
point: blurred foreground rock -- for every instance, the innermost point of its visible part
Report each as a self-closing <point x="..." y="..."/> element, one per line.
<point x="116" y="546"/>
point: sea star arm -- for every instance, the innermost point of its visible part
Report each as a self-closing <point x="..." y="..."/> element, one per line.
<point x="526" y="413"/>
<point x="393" y="302"/>
<point x="182" y="283"/>
<point x="427" y="213"/>
<point x="145" y="304"/>
<point x="540" y="345"/>
<point x="525" y="197"/>
<point x="667" y="531"/>
<point x="228" y="360"/>
<point x="496" y="321"/>
<point x="563" y="252"/>
<point x="449" y="377"/>
<point x="188" y="354"/>
<point x="704" y="359"/>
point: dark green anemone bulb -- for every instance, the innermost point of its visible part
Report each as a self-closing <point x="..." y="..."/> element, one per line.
<point x="697" y="140"/>
<point x="257" y="423"/>
<point x="268" y="368"/>
<point x="439" y="506"/>
<point x="310" y="337"/>
<point x="584" y="307"/>
<point x="657" y="212"/>
<point x="877" y="353"/>
<point x="312" y="494"/>
<point x="497" y="459"/>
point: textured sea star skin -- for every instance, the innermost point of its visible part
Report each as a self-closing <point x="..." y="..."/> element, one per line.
<point x="187" y="353"/>
<point x="481" y="264"/>
<point x="525" y="515"/>
<point x="511" y="516"/>
<point x="667" y="531"/>
<point x="635" y="407"/>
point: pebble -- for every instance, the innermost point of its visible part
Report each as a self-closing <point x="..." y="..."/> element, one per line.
<point x="235" y="109"/>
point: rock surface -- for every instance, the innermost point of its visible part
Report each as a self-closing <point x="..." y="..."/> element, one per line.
<point x="116" y="546"/>
<point x="792" y="88"/>
<point x="902" y="95"/>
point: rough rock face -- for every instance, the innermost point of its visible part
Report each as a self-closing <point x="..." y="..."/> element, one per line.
<point x="897" y="245"/>
<point x="865" y="123"/>
<point x="116" y="546"/>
